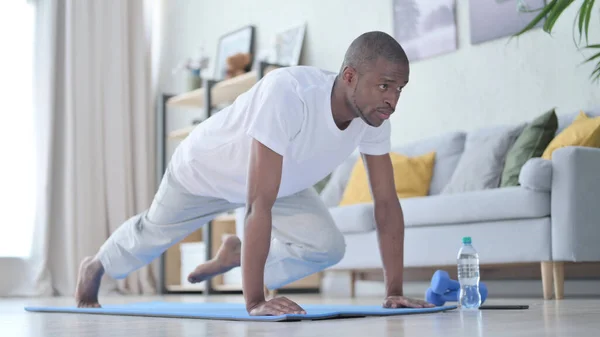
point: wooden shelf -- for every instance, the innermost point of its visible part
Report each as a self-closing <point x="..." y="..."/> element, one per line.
<point x="222" y="92"/>
<point x="184" y="288"/>
<point x="225" y="217"/>
<point x="181" y="133"/>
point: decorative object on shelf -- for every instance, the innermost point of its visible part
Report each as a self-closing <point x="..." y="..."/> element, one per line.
<point x="237" y="64"/>
<point x="494" y="19"/>
<point x="288" y="45"/>
<point x="553" y="10"/>
<point x="232" y="43"/>
<point x="194" y="66"/>
<point x="425" y="28"/>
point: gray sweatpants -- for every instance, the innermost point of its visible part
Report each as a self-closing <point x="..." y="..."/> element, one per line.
<point x="304" y="237"/>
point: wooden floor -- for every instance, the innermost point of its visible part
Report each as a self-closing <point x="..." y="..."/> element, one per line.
<point x="569" y="317"/>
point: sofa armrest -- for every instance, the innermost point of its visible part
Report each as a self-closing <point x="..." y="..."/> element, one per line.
<point x="575" y="203"/>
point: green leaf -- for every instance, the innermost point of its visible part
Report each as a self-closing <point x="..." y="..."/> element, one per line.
<point x="523" y="10"/>
<point x="596" y="73"/>
<point x="595" y="56"/>
<point x="591" y="46"/>
<point x="555" y="13"/>
<point x="538" y="17"/>
<point x="588" y="11"/>
<point x="581" y="14"/>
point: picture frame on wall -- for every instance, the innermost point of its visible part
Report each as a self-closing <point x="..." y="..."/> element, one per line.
<point x="496" y="19"/>
<point x="238" y="41"/>
<point x="288" y="45"/>
<point x="285" y="47"/>
<point x="425" y="29"/>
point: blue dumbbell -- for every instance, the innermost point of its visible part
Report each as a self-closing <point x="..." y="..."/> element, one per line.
<point x="441" y="283"/>
<point x="451" y="296"/>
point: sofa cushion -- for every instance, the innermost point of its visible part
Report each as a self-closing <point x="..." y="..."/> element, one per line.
<point x="355" y="218"/>
<point x="530" y="144"/>
<point x="536" y="175"/>
<point x="480" y="166"/>
<point x="564" y="120"/>
<point x="584" y="131"/>
<point x="448" y="149"/>
<point x="412" y="176"/>
<point x="476" y="206"/>
<point x="334" y="190"/>
<point x="498" y="204"/>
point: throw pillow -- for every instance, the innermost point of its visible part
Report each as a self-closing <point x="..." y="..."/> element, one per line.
<point x="536" y="175"/>
<point x="530" y="144"/>
<point x="480" y="166"/>
<point x="584" y="131"/>
<point x="320" y="186"/>
<point x="412" y="176"/>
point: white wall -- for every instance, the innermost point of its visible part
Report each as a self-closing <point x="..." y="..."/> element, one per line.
<point x="501" y="81"/>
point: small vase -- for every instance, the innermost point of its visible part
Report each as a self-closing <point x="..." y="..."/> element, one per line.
<point x="194" y="81"/>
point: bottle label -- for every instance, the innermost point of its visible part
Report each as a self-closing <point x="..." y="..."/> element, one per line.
<point x="468" y="272"/>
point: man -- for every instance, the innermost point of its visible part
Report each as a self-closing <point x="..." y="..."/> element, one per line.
<point x="265" y="152"/>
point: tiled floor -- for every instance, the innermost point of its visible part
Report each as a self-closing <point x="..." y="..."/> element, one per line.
<point x="569" y="317"/>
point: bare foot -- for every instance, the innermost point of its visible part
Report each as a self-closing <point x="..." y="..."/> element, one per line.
<point x="88" y="283"/>
<point x="228" y="257"/>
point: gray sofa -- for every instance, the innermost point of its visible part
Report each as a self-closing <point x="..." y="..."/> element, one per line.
<point x="552" y="217"/>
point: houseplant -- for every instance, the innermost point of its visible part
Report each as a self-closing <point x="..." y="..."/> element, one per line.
<point x="553" y="10"/>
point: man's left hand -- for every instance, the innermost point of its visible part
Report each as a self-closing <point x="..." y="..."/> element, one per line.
<point x="405" y="302"/>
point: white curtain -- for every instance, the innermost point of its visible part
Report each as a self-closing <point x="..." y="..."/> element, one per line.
<point x="95" y="122"/>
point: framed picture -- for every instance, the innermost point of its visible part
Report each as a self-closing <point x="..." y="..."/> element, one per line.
<point x="238" y="41"/>
<point x="288" y="45"/>
<point x="494" y="19"/>
<point x="425" y="28"/>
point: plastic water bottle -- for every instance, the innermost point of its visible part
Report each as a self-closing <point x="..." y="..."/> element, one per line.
<point x="468" y="276"/>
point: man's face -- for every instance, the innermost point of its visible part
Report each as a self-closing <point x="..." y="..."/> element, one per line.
<point x="376" y="91"/>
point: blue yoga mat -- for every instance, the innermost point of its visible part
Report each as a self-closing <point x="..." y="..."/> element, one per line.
<point x="236" y="311"/>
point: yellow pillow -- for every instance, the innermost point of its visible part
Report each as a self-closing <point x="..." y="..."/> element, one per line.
<point x="412" y="177"/>
<point x="584" y="131"/>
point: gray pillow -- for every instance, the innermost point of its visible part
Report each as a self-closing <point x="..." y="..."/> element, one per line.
<point x="480" y="166"/>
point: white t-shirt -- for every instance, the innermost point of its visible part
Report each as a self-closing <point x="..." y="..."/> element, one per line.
<point x="289" y="111"/>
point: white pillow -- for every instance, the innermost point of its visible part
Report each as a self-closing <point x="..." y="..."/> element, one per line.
<point x="480" y="166"/>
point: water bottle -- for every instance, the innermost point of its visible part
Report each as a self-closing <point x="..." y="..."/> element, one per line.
<point x="468" y="276"/>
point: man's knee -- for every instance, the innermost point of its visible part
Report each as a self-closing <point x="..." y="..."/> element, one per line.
<point x="329" y="248"/>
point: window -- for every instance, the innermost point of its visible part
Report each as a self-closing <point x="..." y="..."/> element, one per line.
<point x="17" y="141"/>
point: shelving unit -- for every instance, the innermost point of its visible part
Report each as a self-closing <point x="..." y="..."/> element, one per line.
<point x="216" y="93"/>
<point x="221" y="92"/>
<point x="212" y="95"/>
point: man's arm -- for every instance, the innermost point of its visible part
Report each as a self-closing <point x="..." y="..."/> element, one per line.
<point x="389" y="220"/>
<point x="264" y="177"/>
<point x="390" y="227"/>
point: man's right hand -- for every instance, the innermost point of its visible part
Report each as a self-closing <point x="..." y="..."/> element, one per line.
<point x="275" y="307"/>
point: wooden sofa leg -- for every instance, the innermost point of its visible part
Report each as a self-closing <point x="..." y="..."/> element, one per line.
<point x="559" y="279"/>
<point x="547" y="269"/>
<point x="352" y="283"/>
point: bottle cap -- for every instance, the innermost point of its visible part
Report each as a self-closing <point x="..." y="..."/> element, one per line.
<point x="466" y="240"/>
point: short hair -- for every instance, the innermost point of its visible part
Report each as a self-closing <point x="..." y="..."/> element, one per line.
<point x="370" y="46"/>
